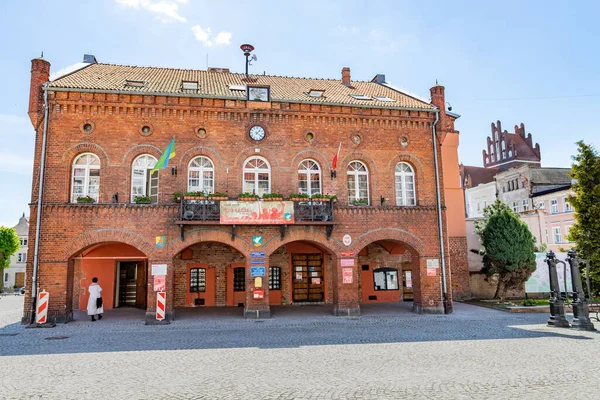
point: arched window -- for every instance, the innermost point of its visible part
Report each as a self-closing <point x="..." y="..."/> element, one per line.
<point x="405" y="185"/>
<point x="85" y="180"/>
<point x="201" y="175"/>
<point x="143" y="182"/>
<point x="309" y="177"/>
<point x="257" y="176"/>
<point x="358" y="183"/>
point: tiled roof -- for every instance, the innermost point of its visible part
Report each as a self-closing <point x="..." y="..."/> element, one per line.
<point x="547" y="180"/>
<point x="110" y="77"/>
<point x="474" y="176"/>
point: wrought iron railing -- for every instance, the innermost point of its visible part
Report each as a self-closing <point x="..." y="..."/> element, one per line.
<point x="200" y="210"/>
<point x="313" y="211"/>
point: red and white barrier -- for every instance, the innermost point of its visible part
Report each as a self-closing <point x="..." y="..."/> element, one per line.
<point x="161" y="305"/>
<point x="41" y="312"/>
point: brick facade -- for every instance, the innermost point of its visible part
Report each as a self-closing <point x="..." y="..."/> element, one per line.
<point x="116" y="138"/>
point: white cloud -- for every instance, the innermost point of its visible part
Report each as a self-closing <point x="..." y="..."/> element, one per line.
<point x="346" y="29"/>
<point x="205" y="36"/>
<point x="166" y="10"/>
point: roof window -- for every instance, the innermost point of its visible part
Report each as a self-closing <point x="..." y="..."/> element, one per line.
<point x="384" y="98"/>
<point x="237" y="88"/>
<point x="361" y="97"/>
<point x="134" y="83"/>
<point x="316" y="93"/>
<point x="189" y="85"/>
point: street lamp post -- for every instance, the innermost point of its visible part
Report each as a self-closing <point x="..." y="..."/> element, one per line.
<point x="557" y="306"/>
<point x="581" y="311"/>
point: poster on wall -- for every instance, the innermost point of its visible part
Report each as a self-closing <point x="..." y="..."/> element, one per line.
<point x="316" y="281"/>
<point x="159" y="269"/>
<point x="347" y="275"/>
<point x="408" y="275"/>
<point x="159" y="283"/>
<point x="298" y="276"/>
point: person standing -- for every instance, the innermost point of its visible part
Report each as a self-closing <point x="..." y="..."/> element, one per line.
<point x="94" y="306"/>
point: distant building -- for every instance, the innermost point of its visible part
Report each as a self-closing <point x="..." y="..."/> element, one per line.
<point x="15" y="274"/>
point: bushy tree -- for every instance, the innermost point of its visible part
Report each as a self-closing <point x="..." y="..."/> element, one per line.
<point x="507" y="248"/>
<point x="586" y="203"/>
<point x="9" y="244"/>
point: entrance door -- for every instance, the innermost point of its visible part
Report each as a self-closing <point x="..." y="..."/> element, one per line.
<point x="140" y="285"/>
<point x="19" y="279"/>
<point x="307" y="274"/>
<point x="127" y="287"/>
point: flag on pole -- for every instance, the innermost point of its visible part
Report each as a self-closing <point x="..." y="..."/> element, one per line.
<point x="163" y="161"/>
<point x="335" y="158"/>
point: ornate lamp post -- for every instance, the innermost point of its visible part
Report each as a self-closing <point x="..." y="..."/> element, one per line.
<point x="581" y="311"/>
<point x="557" y="306"/>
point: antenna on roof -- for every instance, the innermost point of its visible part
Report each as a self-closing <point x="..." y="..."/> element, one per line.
<point x="42" y="56"/>
<point x="247" y="49"/>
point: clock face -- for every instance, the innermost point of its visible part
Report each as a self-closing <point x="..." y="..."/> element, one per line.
<point x="257" y="132"/>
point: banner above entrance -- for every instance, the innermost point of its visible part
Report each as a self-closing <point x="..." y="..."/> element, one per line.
<point x="257" y="212"/>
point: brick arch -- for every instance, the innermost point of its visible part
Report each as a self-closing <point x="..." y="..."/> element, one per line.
<point x="417" y="166"/>
<point x="238" y="165"/>
<point x="85" y="240"/>
<point x="197" y="151"/>
<point x="79" y="148"/>
<point x="399" y="235"/>
<point x="223" y="236"/>
<point x="138" y="150"/>
<point x="312" y="154"/>
<point x="302" y="235"/>
<point x="373" y="175"/>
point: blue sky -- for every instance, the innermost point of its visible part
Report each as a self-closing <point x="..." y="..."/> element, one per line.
<point x="534" y="62"/>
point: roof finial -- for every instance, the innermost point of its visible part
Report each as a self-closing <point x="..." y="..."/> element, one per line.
<point x="436" y="82"/>
<point x="42" y="56"/>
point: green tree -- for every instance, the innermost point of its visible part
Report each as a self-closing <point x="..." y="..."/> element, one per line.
<point x="9" y="244"/>
<point x="507" y="248"/>
<point x="586" y="203"/>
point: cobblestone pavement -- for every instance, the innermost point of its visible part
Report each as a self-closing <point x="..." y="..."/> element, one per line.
<point x="474" y="353"/>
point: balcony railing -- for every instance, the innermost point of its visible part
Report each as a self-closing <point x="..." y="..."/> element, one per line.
<point x="210" y="210"/>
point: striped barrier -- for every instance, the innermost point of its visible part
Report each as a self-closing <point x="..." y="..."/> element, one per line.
<point x="41" y="314"/>
<point x="161" y="302"/>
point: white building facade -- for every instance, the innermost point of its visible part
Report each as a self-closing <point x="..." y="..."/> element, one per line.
<point x="14" y="275"/>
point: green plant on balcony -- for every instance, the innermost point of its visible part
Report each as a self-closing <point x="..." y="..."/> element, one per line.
<point x="194" y="195"/>
<point x="142" y="200"/>
<point x="272" y="197"/>
<point x="85" y="199"/>
<point x="331" y="197"/>
<point x="360" y="202"/>
<point x="218" y="196"/>
<point x="248" y="197"/>
<point x="177" y="197"/>
<point x="299" y="196"/>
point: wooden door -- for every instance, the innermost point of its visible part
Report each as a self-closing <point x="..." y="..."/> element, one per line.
<point x="19" y="279"/>
<point x="308" y="279"/>
<point x="140" y="285"/>
<point x="127" y="283"/>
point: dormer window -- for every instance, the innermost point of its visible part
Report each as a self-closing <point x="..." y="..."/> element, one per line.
<point x="384" y="98"/>
<point x="316" y="93"/>
<point x="189" y="85"/>
<point x="361" y="97"/>
<point x="135" y="83"/>
<point x="237" y="88"/>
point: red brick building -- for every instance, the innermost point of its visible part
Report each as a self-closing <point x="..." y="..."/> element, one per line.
<point x="107" y="125"/>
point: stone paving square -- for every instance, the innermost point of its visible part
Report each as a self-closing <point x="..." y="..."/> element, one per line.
<point x="387" y="353"/>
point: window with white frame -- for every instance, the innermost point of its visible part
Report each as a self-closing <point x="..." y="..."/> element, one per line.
<point x="405" y="185"/>
<point x="257" y="176"/>
<point x="85" y="179"/>
<point x="557" y="235"/>
<point x="515" y="206"/>
<point x="23" y="242"/>
<point x="21" y="257"/>
<point x="525" y="204"/>
<point x="358" y="182"/>
<point x="553" y="206"/>
<point x="309" y="177"/>
<point x="201" y="175"/>
<point x="547" y="239"/>
<point x="144" y="181"/>
<point x="567" y="207"/>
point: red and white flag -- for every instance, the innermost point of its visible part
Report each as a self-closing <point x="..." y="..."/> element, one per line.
<point x="335" y="158"/>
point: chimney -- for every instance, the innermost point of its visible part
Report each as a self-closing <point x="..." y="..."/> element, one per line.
<point x="40" y="73"/>
<point x="346" y="76"/>
<point x="379" y="78"/>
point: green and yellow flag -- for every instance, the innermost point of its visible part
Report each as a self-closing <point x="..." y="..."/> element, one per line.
<point x="163" y="161"/>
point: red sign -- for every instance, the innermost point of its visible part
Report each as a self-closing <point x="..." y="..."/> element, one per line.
<point x="159" y="283"/>
<point x="257" y="212"/>
<point x="350" y="254"/>
<point x="431" y="271"/>
<point x="258" y="294"/>
<point x="347" y="275"/>
<point x="347" y="262"/>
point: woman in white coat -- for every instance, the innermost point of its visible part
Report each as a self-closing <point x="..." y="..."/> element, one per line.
<point x="92" y="306"/>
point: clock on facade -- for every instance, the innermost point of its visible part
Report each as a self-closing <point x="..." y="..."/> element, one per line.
<point x="258" y="93"/>
<point x="257" y="133"/>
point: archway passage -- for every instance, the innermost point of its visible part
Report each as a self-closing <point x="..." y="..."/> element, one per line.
<point x="209" y="274"/>
<point x="389" y="273"/>
<point x="121" y="270"/>
<point x="300" y="272"/>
